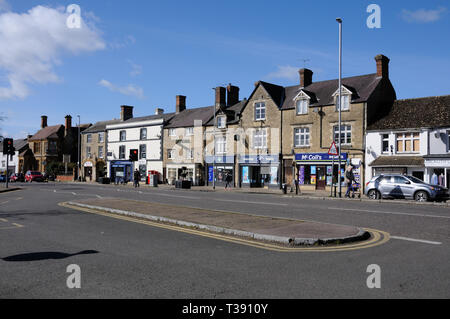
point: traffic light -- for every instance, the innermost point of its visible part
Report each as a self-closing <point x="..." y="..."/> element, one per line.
<point x="134" y="155"/>
<point x="8" y="148"/>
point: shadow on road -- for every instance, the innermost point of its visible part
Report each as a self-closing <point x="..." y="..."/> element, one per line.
<point x="45" y="256"/>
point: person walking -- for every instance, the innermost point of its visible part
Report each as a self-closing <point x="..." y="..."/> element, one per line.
<point x="136" y="177"/>
<point x="349" y="179"/>
<point x="228" y="179"/>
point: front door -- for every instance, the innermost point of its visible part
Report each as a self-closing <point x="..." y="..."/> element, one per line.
<point x="321" y="182"/>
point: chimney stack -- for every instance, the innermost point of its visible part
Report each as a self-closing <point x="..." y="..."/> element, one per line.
<point x="68" y="124"/>
<point x="126" y="112"/>
<point x="44" y="121"/>
<point x="232" y="95"/>
<point x="306" y="77"/>
<point x="181" y="104"/>
<point x="382" y="66"/>
<point x="159" y="111"/>
<point x="220" y="96"/>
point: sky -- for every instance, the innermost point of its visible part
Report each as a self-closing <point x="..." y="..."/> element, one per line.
<point x="143" y="53"/>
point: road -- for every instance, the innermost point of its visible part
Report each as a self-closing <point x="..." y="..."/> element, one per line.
<point x="121" y="259"/>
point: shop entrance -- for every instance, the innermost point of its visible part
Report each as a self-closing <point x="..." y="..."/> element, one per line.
<point x="321" y="182"/>
<point x="88" y="173"/>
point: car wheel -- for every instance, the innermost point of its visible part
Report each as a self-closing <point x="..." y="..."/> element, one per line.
<point x="373" y="194"/>
<point x="421" y="196"/>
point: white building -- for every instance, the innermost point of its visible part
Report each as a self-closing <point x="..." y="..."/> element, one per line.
<point x="144" y="134"/>
<point x="13" y="161"/>
<point x="413" y="139"/>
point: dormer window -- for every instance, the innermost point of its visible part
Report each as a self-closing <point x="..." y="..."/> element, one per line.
<point x="221" y="122"/>
<point x="346" y="97"/>
<point x="302" y="106"/>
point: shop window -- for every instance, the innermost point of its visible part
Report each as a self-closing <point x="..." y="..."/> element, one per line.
<point x="385" y="143"/>
<point x="122" y="152"/>
<point x="301" y="137"/>
<point x="346" y="134"/>
<point x="260" y="111"/>
<point x="408" y="142"/>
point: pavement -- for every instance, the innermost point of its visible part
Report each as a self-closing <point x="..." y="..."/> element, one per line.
<point x="276" y="230"/>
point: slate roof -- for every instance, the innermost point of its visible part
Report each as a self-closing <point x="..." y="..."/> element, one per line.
<point x="416" y="113"/>
<point x="100" y="126"/>
<point x="48" y="132"/>
<point x="322" y="92"/>
<point x="189" y="116"/>
<point x="398" y="161"/>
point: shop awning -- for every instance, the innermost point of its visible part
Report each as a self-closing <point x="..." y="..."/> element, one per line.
<point x="398" y="161"/>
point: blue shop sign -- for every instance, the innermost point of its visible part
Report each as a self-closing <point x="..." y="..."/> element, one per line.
<point x="120" y="163"/>
<point x="319" y="157"/>
<point x="259" y="159"/>
<point x="220" y="159"/>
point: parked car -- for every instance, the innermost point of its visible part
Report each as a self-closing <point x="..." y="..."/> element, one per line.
<point x="18" y="177"/>
<point x="31" y="176"/>
<point x="3" y="178"/>
<point x="404" y="186"/>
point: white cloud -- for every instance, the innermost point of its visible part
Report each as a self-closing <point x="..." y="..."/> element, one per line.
<point x="32" y="43"/>
<point x="285" y="72"/>
<point x="130" y="89"/>
<point x="423" y="15"/>
<point x="136" y="69"/>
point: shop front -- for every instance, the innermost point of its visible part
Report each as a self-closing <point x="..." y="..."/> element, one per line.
<point x="259" y="171"/>
<point x="315" y="171"/>
<point x="188" y="172"/>
<point x="121" y="171"/>
<point x="224" y="167"/>
<point x="438" y="170"/>
<point x="93" y="170"/>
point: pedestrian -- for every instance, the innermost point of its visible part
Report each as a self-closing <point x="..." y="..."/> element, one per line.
<point x="349" y="179"/>
<point x="137" y="177"/>
<point x="228" y="179"/>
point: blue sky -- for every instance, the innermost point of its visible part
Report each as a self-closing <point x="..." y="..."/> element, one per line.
<point x="144" y="53"/>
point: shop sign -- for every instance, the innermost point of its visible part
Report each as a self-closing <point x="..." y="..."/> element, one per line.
<point x="319" y="157"/>
<point x="220" y="159"/>
<point x="437" y="163"/>
<point x="210" y="174"/>
<point x="245" y="178"/>
<point x="259" y="159"/>
<point x="88" y="164"/>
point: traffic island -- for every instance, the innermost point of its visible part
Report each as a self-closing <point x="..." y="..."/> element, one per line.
<point x="281" y="231"/>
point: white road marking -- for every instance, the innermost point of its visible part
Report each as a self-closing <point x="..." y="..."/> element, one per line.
<point x="4" y="202"/>
<point x="390" y="213"/>
<point x="417" y="240"/>
<point x="247" y="202"/>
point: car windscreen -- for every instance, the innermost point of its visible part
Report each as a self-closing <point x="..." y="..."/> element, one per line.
<point x="415" y="180"/>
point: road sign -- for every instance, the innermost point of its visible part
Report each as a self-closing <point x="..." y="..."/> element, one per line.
<point x="333" y="149"/>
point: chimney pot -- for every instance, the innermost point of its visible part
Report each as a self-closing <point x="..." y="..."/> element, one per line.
<point x="159" y="111"/>
<point x="181" y="104"/>
<point x="306" y="77"/>
<point x="382" y="65"/>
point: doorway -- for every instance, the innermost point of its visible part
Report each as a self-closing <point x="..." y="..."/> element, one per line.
<point x="321" y="182"/>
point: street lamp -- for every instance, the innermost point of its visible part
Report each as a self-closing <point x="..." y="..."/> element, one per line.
<point x="339" y="20"/>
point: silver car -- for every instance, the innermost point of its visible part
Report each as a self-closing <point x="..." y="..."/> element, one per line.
<point x="403" y="186"/>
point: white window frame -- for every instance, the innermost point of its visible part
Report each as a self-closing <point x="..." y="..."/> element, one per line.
<point x="402" y="137"/>
<point x="448" y="141"/>
<point x="141" y="135"/>
<point x="101" y="152"/>
<point x="345" y="102"/>
<point x="101" y="137"/>
<point x="143" y="155"/>
<point x="346" y="131"/>
<point x="385" y="139"/>
<point x="170" y="154"/>
<point x="88" y="152"/>
<point x="259" y="141"/>
<point x="124" y="137"/>
<point x="89" y="138"/>
<point x="124" y="152"/>
<point x="260" y="108"/>
<point x="221" y="122"/>
<point x="172" y="132"/>
<point x="302" y="106"/>
<point x="189" y="131"/>
<point x="298" y="133"/>
<point x="189" y="154"/>
<point x="221" y="145"/>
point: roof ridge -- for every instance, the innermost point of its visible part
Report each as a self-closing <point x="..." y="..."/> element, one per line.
<point x="423" y="98"/>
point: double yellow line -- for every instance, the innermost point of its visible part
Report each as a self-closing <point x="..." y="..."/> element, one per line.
<point x="377" y="237"/>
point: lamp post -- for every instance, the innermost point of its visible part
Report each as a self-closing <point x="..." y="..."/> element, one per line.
<point x="79" y="147"/>
<point x="339" y="20"/>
